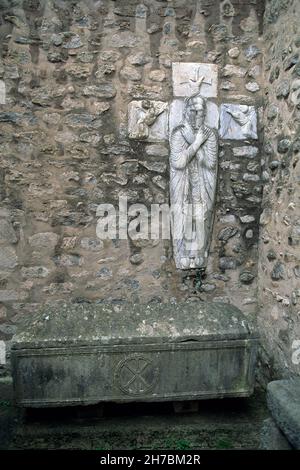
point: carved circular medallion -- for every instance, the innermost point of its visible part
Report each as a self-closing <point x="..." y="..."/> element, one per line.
<point x="136" y="375"/>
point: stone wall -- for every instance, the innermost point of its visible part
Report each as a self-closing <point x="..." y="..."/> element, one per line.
<point x="279" y="252"/>
<point x="68" y="71"/>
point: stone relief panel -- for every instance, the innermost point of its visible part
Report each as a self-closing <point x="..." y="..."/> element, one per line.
<point x="148" y="120"/>
<point x="186" y="76"/>
<point x="193" y="166"/>
<point x="238" y="122"/>
<point x="191" y="123"/>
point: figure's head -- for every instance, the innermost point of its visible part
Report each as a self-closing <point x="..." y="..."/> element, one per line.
<point x="146" y="104"/>
<point x="195" y="110"/>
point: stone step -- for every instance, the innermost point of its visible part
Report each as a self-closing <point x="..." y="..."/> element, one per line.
<point x="283" y="398"/>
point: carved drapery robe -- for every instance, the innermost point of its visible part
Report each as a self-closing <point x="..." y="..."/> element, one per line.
<point x="192" y="192"/>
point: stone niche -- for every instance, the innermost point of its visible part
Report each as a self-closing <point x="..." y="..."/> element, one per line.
<point x="85" y="354"/>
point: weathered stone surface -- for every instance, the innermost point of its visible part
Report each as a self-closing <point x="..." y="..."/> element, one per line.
<point x="12" y="295"/>
<point x="131" y="73"/>
<point x="157" y="150"/>
<point x="68" y="260"/>
<point x="233" y="71"/>
<point x="130" y="331"/>
<point x="238" y="122"/>
<point x="176" y="114"/>
<point x="140" y="58"/>
<point x="136" y="259"/>
<point x="148" y="120"/>
<point x="8" y="257"/>
<point x="77" y="120"/>
<point x="104" y="273"/>
<point x="249" y="234"/>
<point x="278" y="315"/>
<point x="251" y="178"/>
<point x="73" y="43"/>
<point x="34" y="272"/>
<point x="251" y="52"/>
<point x="11" y="117"/>
<point x="283" y="145"/>
<point x="44" y="241"/>
<point x="294" y="96"/>
<point x="272" y="438"/>
<point x="55" y="57"/>
<point x="227" y="232"/>
<point x="91" y="244"/>
<point x="227" y="85"/>
<point x="105" y="90"/>
<point x="274" y="164"/>
<point x="234" y="52"/>
<point x="278" y="272"/>
<point x="252" y="86"/>
<point x="272" y="112"/>
<point x="274" y="74"/>
<point x="76" y="71"/>
<point x="247" y="219"/>
<point x="2" y="92"/>
<point x="123" y="39"/>
<point x="186" y="75"/>
<point x="283" y="397"/>
<point x="246" y="277"/>
<point x="157" y="75"/>
<point x="3" y="313"/>
<point x="7" y="233"/>
<point x="157" y="167"/>
<point x="8" y="330"/>
<point x="283" y="89"/>
<point x="274" y="9"/>
<point x="227" y="262"/>
<point x="2" y="352"/>
<point x="254" y="71"/>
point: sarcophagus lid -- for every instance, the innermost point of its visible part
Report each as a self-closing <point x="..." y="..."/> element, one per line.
<point x="80" y="324"/>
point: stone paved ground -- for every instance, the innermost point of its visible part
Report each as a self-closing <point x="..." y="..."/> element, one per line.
<point x="222" y="424"/>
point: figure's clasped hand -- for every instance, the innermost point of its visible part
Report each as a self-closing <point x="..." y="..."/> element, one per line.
<point x="201" y="136"/>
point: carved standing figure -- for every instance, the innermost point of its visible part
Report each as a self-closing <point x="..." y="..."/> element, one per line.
<point x="193" y="176"/>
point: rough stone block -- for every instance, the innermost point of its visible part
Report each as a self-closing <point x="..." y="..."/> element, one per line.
<point x="2" y="92"/>
<point x="84" y="354"/>
<point x="283" y="398"/>
<point x="272" y="438"/>
<point x="8" y="258"/>
<point x="7" y="233"/>
<point x="2" y="353"/>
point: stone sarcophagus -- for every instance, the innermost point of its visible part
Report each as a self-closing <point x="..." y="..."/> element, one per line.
<point x="86" y="354"/>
